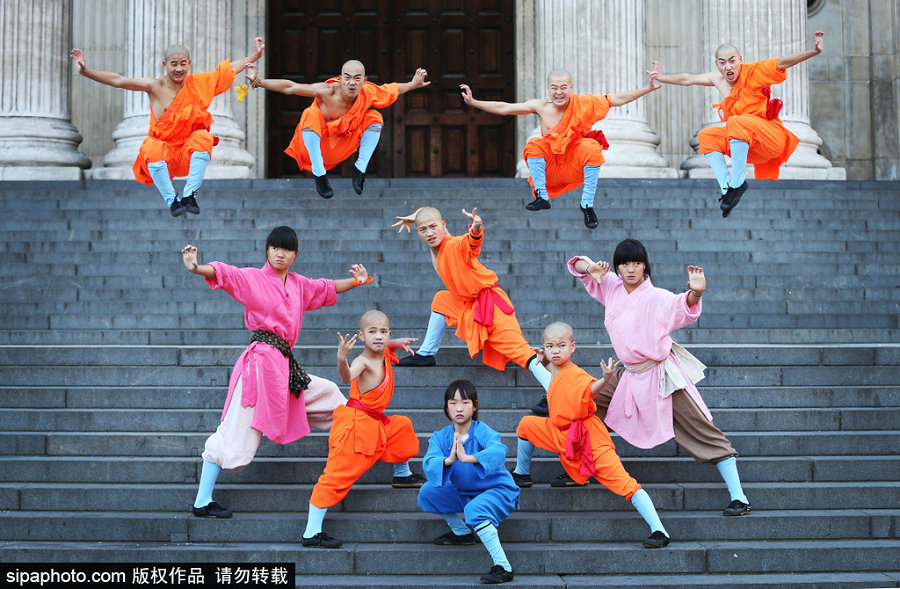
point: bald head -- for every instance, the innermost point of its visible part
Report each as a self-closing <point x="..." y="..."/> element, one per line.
<point x="727" y="48"/>
<point x="373" y="317"/>
<point x="353" y="67"/>
<point x="173" y="50"/>
<point x="559" y="76"/>
<point x="428" y="213"/>
<point x="559" y="329"/>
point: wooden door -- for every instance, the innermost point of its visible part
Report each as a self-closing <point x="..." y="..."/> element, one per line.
<point x="428" y="132"/>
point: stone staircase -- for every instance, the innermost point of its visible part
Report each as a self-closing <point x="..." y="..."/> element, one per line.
<point x="114" y="363"/>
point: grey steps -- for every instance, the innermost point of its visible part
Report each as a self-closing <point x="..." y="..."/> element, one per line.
<point x="175" y="497"/>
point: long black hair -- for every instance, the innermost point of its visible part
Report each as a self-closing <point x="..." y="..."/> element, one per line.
<point x="466" y="391"/>
<point x="631" y="250"/>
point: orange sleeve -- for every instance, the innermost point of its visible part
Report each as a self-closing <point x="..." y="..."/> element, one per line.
<point x="596" y="108"/>
<point x="768" y="72"/>
<point x="385" y="95"/>
<point x="570" y="397"/>
<point x="210" y="84"/>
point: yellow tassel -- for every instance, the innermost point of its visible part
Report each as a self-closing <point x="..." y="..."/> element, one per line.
<point x="240" y="92"/>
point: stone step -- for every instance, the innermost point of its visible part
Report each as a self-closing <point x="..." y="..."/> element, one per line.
<point x="176" y="496"/>
<point x="790" y="556"/>
<point x="180" y="444"/>
<point x="589" y="526"/>
<point x="306" y="470"/>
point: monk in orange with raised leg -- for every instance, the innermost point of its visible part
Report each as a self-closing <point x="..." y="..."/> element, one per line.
<point x="752" y="132"/>
<point x="340" y="120"/>
<point x="568" y="154"/>
<point x="179" y="142"/>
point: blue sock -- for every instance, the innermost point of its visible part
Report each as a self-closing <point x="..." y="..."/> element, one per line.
<point x="720" y="169"/>
<point x="199" y="161"/>
<point x="208" y="475"/>
<point x="314" y="149"/>
<point x="431" y="343"/>
<point x="314" y="521"/>
<point x="590" y="186"/>
<point x="541" y="373"/>
<point x="159" y="171"/>
<point x="728" y="470"/>
<point x="457" y="526"/>
<point x="644" y="505"/>
<point x="524" y="450"/>
<point x="739" y="151"/>
<point x="538" y="169"/>
<point x="488" y="534"/>
<point x="401" y="469"/>
<point x="367" y="145"/>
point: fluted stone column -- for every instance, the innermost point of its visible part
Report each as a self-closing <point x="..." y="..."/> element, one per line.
<point x="603" y="45"/>
<point x="37" y="138"/>
<point x="763" y="29"/>
<point x="202" y="27"/>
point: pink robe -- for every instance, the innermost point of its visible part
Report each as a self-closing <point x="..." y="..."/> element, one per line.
<point x="639" y="325"/>
<point x="263" y="370"/>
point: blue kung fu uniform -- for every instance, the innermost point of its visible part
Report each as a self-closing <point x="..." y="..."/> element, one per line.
<point x="483" y="492"/>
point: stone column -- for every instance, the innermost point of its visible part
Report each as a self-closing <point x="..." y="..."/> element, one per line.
<point x="604" y="46"/>
<point x="763" y="29"/>
<point x="37" y="138"/>
<point x="203" y="27"/>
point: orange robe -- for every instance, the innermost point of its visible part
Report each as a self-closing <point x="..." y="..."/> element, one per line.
<point x="340" y="137"/>
<point x="184" y="127"/>
<point x="473" y="303"/>
<point x="744" y="113"/>
<point x="572" y="406"/>
<point x="360" y="438"/>
<point x="565" y="149"/>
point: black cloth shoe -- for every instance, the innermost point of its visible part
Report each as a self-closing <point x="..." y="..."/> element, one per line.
<point x="737" y="507"/>
<point x="417" y="360"/>
<point x="321" y="540"/>
<point x="451" y="539"/>
<point x="413" y="481"/>
<point x="541" y="408"/>
<point x="731" y="198"/>
<point x="212" y="509"/>
<point x="359" y="178"/>
<point x="190" y="204"/>
<point x="656" y="540"/>
<point x="523" y="481"/>
<point x="538" y="204"/>
<point x="590" y="217"/>
<point x="564" y="480"/>
<point x="497" y="574"/>
<point x="176" y="208"/>
<point x="323" y="187"/>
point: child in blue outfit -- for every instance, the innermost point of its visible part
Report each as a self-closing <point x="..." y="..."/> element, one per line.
<point x="466" y="472"/>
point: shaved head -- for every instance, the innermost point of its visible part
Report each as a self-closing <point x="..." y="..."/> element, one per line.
<point x="428" y="213"/>
<point x="559" y="75"/>
<point x="727" y="48"/>
<point x="373" y="316"/>
<point x="353" y="67"/>
<point x="173" y="50"/>
<point x="559" y="329"/>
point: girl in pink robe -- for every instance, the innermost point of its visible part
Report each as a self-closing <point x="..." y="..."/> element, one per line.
<point x="259" y="397"/>
<point x="656" y="399"/>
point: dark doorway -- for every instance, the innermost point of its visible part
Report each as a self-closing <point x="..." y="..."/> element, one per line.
<point x="428" y="132"/>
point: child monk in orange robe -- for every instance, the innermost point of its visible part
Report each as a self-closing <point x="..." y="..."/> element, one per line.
<point x="576" y="434"/>
<point x="752" y="132"/>
<point x="473" y="303"/>
<point x="179" y="142"/>
<point x="340" y="120"/>
<point x="361" y="434"/>
<point x="567" y="154"/>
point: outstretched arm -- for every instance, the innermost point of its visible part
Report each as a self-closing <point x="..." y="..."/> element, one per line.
<point x="239" y="65"/>
<point x="696" y="284"/>
<point x="609" y="369"/>
<point x="110" y="78"/>
<point x="360" y="276"/>
<point x="286" y="86"/>
<point x="626" y="97"/>
<point x="189" y="255"/>
<point x="348" y="371"/>
<point x="793" y="59"/>
<point x="407" y="222"/>
<point x="496" y="107"/>
<point x="683" y="79"/>
<point x="418" y="81"/>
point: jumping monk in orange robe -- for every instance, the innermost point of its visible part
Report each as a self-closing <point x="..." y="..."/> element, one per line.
<point x="473" y="303"/>
<point x="576" y="434"/>
<point x="179" y="142"/>
<point x="361" y="434"/>
<point x="752" y="132"/>
<point x="340" y="120"/>
<point x="567" y="154"/>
